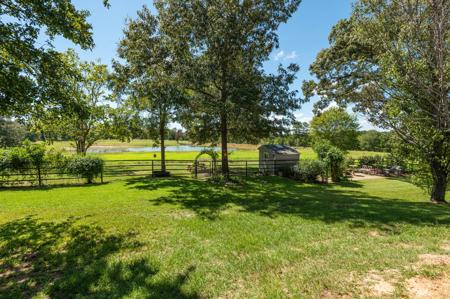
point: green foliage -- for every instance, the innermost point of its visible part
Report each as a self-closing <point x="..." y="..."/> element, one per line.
<point x="220" y="49"/>
<point x="85" y="167"/>
<point x="374" y="161"/>
<point x="309" y="171"/>
<point x="28" y="161"/>
<point x="390" y="60"/>
<point x="86" y="116"/>
<point x="333" y="157"/>
<point x="374" y="141"/>
<point x="337" y="127"/>
<point x="145" y="83"/>
<point x="11" y="133"/>
<point x="29" y="67"/>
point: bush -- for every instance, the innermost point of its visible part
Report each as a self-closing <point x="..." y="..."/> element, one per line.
<point x="333" y="157"/>
<point x="85" y="167"/>
<point x="310" y="170"/>
<point x="372" y="161"/>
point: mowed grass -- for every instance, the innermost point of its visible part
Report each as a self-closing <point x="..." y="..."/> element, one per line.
<point x="266" y="237"/>
<point x="237" y="152"/>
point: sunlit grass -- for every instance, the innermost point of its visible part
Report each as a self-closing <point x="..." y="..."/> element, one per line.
<point x="266" y="237"/>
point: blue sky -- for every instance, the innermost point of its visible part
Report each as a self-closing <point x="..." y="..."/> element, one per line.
<point x="305" y="34"/>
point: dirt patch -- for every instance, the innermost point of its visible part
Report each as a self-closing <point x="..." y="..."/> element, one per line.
<point x="182" y="214"/>
<point x="408" y="246"/>
<point x="380" y="284"/>
<point x="434" y="259"/>
<point x="326" y="294"/>
<point x="362" y="177"/>
<point x="426" y="288"/>
<point x="374" y="233"/>
<point x="446" y="246"/>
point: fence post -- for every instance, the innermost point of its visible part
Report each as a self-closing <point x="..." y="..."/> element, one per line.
<point x="101" y="176"/>
<point x="195" y="169"/>
<point x="39" y="176"/>
<point x="153" y="167"/>
<point x="246" y="168"/>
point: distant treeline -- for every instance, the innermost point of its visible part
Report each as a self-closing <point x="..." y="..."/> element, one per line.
<point x="12" y="133"/>
<point x="370" y="140"/>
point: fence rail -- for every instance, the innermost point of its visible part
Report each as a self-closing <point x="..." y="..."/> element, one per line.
<point x="118" y="169"/>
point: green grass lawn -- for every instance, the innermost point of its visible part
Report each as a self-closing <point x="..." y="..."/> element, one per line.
<point x="182" y="238"/>
<point x="240" y="152"/>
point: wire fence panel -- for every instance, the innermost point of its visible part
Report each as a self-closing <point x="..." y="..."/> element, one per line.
<point x="120" y="169"/>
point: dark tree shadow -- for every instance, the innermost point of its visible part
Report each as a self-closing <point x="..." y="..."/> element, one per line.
<point x="276" y="196"/>
<point x="66" y="260"/>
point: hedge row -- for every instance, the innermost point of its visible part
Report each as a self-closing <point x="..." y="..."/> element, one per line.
<point x="34" y="162"/>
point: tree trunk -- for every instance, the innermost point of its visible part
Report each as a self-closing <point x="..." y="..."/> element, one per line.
<point x="81" y="147"/>
<point x="224" y="140"/>
<point x="439" y="188"/>
<point x="162" y="127"/>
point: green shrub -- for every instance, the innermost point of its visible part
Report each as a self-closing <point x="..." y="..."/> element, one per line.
<point x="310" y="170"/>
<point x="372" y="161"/>
<point x="18" y="159"/>
<point x="85" y="167"/>
<point x="333" y="157"/>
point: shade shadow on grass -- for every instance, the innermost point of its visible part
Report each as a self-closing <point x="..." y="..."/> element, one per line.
<point x="277" y="196"/>
<point x="66" y="260"/>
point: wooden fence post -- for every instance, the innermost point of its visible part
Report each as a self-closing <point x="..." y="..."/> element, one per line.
<point x="246" y="168"/>
<point x="39" y="176"/>
<point x="153" y="167"/>
<point x="196" y="169"/>
<point x="101" y="176"/>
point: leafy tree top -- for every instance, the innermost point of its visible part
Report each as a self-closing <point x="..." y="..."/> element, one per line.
<point x="28" y="66"/>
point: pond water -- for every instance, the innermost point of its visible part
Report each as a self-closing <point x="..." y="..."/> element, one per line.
<point x="151" y="149"/>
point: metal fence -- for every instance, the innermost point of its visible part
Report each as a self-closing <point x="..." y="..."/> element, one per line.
<point x="119" y="169"/>
<point x="124" y="168"/>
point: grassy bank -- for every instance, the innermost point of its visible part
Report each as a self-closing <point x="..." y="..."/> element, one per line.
<point x="181" y="238"/>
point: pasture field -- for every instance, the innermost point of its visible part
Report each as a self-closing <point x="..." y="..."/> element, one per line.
<point x="240" y="152"/>
<point x="266" y="237"/>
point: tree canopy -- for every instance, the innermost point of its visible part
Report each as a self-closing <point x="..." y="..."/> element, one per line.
<point x="29" y="65"/>
<point x="391" y="59"/>
<point x="337" y="127"/>
<point x="146" y="82"/>
<point x="86" y="115"/>
<point x="220" y="47"/>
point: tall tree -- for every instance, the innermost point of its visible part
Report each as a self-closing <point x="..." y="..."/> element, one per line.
<point x="147" y="77"/>
<point x="336" y="126"/>
<point x="85" y="118"/>
<point x="28" y="64"/>
<point x="220" y="47"/>
<point x="391" y="58"/>
<point x="11" y="133"/>
<point x="374" y="141"/>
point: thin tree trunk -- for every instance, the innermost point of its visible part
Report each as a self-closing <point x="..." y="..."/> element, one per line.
<point x="224" y="137"/>
<point x="439" y="188"/>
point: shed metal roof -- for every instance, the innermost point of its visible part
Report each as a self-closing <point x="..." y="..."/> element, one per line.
<point x="279" y="149"/>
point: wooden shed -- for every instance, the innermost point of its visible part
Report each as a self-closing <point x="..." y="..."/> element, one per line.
<point x="274" y="158"/>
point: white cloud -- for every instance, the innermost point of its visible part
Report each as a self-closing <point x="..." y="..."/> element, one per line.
<point x="300" y="116"/>
<point x="290" y="56"/>
<point x="281" y="55"/>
